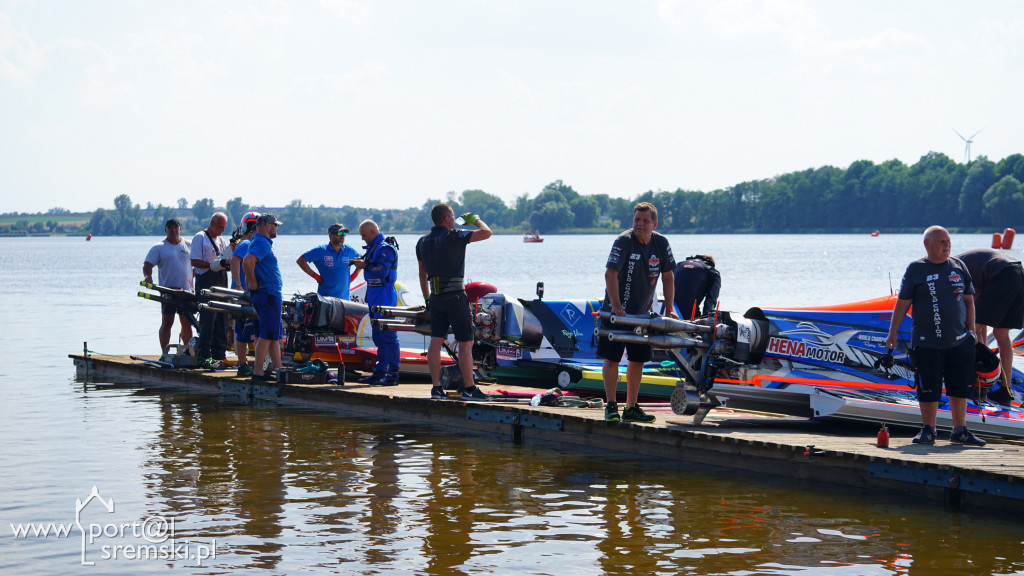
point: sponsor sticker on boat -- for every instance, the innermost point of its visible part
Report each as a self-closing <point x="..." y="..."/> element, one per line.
<point x="508" y="353"/>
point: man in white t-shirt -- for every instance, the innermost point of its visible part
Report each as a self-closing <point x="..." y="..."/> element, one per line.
<point x="171" y="257"/>
<point x="210" y="260"/>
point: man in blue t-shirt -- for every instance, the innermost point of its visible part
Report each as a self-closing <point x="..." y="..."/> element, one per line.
<point x="332" y="261"/>
<point x="942" y="348"/>
<point x="263" y="280"/>
<point x="245" y="329"/>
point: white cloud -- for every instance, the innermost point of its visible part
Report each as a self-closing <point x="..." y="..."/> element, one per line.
<point x="20" y="59"/>
<point x="349" y="11"/>
<point x="356" y="84"/>
<point x="1000" y="42"/>
<point x="253" y="18"/>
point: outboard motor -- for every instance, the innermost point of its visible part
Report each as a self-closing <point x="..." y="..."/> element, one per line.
<point x="499" y="318"/>
<point x="317" y="313"/>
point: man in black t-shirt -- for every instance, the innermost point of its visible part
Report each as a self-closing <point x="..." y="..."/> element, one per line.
<point x="942" y="348"/>
<point x="442" y="263"/>
<point x="999" y="302"/>
<point x="638" y="257"/>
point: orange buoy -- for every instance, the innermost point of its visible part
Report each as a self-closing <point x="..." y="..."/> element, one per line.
<point x="1008" y="238"/>
<point x="88" y="237"/>
<point x="997" y="240"/>
<point x="875" y="233"/>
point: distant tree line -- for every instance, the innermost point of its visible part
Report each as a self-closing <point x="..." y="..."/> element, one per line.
<point x="890" y="196"/>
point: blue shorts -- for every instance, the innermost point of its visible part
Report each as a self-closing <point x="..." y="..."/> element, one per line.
<point x="953" y="365"/>
<point x="451" y="309"/>
<point x="268" y="308"/>
<point x="245" y="330"/>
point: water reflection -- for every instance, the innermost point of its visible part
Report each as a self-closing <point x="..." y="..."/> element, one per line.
<point x="287" y="489"/>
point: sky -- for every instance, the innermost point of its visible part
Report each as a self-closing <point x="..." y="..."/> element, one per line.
<point x="388" y="103"/>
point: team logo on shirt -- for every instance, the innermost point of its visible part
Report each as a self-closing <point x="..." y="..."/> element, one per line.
<point x="328" y="261"/>
<point x="654" y="262"/>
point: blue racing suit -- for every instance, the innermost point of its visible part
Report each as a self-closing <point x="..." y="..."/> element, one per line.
<point x="380" y="274"/>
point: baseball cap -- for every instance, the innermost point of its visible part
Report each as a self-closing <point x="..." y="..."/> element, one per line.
<point x="268" y="218"/>
<point x="338" y="229"/>
<point x="172" y="221"/>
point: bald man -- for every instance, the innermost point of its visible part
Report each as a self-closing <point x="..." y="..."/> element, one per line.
<point x="942" y="348"/>
<point x="211" y="265"/>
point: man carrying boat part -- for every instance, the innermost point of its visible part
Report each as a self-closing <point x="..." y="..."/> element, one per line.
<point x="697" y="280"/>
<point x="442" y="262"/>
<point x="939" y="289"/>
<point x="244" y="329"/>
<point x="998" y="302"/>
<point x="332" y="261"/>
<point x="380" y="271"/>
<point x="211" y="265"/>
<point x="171" y="257"/>
<point x="263" y="280"/>
<point x="638" y="257"/>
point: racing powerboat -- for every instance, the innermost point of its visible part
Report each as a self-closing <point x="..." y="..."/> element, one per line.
<point x="817" y="362"/>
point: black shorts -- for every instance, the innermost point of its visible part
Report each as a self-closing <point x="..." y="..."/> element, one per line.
<point x="1002" y="304"/>
<point x="451" y="309"/>
<point x="954" y="365"/>
<point x="609" y="350"/>
<point x="166" y="308"/>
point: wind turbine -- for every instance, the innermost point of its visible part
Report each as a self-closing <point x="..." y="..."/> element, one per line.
<point x="967" y="144"/>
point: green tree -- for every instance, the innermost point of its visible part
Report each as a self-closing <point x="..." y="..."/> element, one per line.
<point x="980" y="177"/>
<point x="129" y="216"/>
<point x="551" y="217"/>
<point x="585" y="212"/>
<point x="1004" y="202"/>
<point x="103" y="222"/>
<point x="235" y="208"/>
<point x="488" y="206"/>
<point x="203" y="209"/>
<point x="1012" y="165"/>
<point x="563" y="190"/>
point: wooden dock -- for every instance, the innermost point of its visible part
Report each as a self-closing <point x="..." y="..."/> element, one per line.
<point x="965" y="478"/>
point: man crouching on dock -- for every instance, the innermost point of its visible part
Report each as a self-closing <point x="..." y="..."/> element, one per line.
<point x="639" y="255"/>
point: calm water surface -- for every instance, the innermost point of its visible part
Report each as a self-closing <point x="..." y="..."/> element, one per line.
<point x="284" y="490"/>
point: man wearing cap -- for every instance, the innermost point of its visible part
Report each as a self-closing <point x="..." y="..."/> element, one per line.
<point x="380" y="270"/>
<point x="263" y="280"/>
<point x="332" y="261"/>
<point x="211" y="263"/>
<point x="171" y="256"/>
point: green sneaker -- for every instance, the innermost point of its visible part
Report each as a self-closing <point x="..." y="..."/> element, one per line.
<point x="636" y="414"/>
<point x="611" y="412"/>
<point x="244" y="370"/>
<point x="211" y="364"/>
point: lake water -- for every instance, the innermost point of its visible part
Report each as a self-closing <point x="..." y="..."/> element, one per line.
<point x="269" y="489"/>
